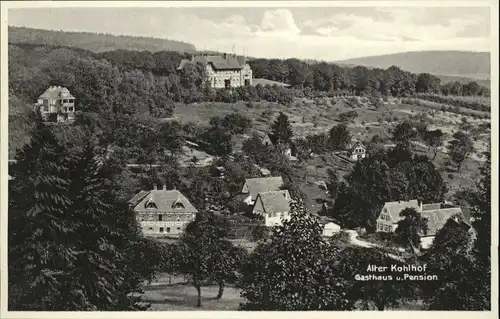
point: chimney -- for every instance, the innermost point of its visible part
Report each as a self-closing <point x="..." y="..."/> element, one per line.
<point x="421" y="206"/>
<point x="164" y="187"/>
<point x="192" y="58"/>
<point x="225" y="55"/>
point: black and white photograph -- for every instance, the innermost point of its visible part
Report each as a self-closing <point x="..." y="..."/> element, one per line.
<point x="232" y="157"/>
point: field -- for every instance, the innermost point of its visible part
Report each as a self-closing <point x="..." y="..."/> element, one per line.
<point x="314" y="116"/>
<point x="172" y="293"/>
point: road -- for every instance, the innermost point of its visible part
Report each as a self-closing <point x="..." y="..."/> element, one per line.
<point x="353" y="237"/>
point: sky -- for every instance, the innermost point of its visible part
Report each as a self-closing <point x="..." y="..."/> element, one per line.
<point x="327" y="33"/>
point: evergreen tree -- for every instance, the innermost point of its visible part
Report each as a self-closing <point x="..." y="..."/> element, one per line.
<point x="281" y="130"/>
<point x="73" y="245"/>
<point x="38" y="204"/>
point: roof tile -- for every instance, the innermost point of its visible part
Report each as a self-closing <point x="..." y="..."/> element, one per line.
<point x="263" y="185"/>
<point x="164" y="201"/>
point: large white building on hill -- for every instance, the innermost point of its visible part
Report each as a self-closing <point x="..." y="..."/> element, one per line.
<point x="222" y="71"/>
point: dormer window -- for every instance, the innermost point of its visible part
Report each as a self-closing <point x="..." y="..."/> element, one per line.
<point x="178" y="205"/>
<point x="150" y="204"/>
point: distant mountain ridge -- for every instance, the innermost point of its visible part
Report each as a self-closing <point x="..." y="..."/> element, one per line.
<point x="459" y="64"/>
<point x="96" y="42"/>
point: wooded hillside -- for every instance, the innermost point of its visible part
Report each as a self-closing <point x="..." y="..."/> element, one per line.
<point x="95" y="42"/>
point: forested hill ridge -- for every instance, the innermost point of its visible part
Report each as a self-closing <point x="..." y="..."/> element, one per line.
<point x="475" y="65"/>
<point x="95" y="42"/>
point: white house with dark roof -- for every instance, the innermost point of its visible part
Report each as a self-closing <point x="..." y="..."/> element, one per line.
<point x="254" y="186"/>
<point x="329" y="229"/>
<point x="162" y="211"/>
<point x="436" y="219"/>
<point x="56" y="104"/>
<point x="357" y="150"/>
<point x="436" y="214"/>
<point x="274" y="206"/>
<point x="389" y="217"/>
<point x="222" y="71"/>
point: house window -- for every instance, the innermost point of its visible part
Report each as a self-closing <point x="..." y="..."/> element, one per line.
<point x="227" y="84"/>
<point x="168" y="229"/>
<point x="161" y="230"/>
<point x="151" y="205"/>
<point x="160" y="217"/>
<point x="178" y="228"/>
<point x="178" y="205"/>
<point x="150" y="228"/>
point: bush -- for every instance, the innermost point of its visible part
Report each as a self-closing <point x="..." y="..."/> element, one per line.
<point x="347" y="116"/>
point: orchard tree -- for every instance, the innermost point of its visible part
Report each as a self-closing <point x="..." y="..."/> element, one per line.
<point x="339" y="137"/>
<point x="294" y="269"/>
<point x="302" y="149"/>
<point x="253" y="145"/>
<point x="219" y="141"/>
<point x="333" y="183"/>
<point x="460" y="148"/>
<point x="206" y="254"/>
<point x="281" y="130"/>
<point x="434" y="140"/>
<point x="427" y="83"/>
<point x="404" y="132"/>
<point x="410" y="228"/>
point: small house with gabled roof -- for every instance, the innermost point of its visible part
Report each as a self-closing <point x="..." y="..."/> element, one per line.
<point x="162" y="211"/>
<point x="56" y="104"/>
<point x="436" y="214"/>
<point x="389" y="217"/>
<point x="274" y="206"/>
<point x="254" y="186"/>
<point x="436" y="219"/>
<point x="357" y="151"/>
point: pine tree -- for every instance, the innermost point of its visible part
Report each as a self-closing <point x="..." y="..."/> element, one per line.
<point x="281" y="130"/>
<point x="73" y="245"/>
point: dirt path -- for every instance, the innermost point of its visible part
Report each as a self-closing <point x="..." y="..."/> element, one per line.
<point x="353" y="237"/>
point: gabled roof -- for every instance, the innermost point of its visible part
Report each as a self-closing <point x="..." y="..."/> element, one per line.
<point x="355" y="144"/>
<point x="229" y="62"/>
<point x="275" y="201"/>
<point x="467" y="214"/>
<point x="55" y="92"/>
<point x="164" y="200"/>
<point x="137" y="197"/>
<point x="394" y="208"/>
<point x="331" y="225"/>
<point x="432" y="206"/>
<point x="436" y="219"/>
<point x="263" y="185"/>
